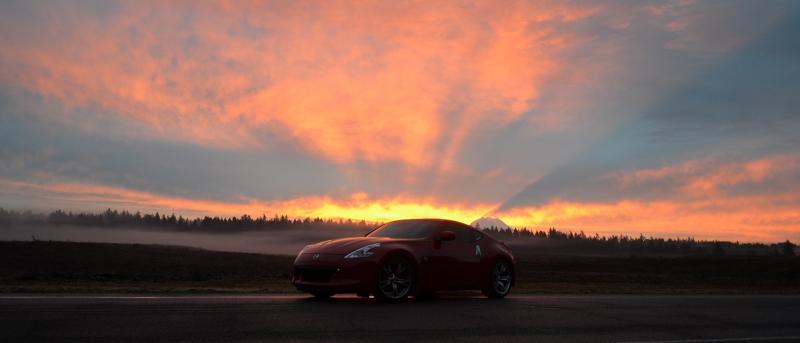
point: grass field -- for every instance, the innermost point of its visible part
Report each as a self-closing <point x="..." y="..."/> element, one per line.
<point x="134" y="268"/>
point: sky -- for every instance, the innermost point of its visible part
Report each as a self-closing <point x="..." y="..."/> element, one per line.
<point x="665" y="118"/>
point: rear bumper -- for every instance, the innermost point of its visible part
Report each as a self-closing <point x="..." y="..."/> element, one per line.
<point x="334" y="273"/>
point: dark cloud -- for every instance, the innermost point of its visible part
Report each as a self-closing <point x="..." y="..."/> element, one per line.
<point x="37" y="147"/>
<point x="742" y="107"/>
<point x="444" y="109"/>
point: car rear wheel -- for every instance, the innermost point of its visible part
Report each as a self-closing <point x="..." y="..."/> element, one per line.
<point x="395" y="279"/>
<point x="500" y="279"/>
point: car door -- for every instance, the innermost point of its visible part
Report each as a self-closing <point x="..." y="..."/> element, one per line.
<point x="435" y="268"/>
<point x="440" y="263"/>
<point x="464" y="257"/>
<point x="478" y="266"/>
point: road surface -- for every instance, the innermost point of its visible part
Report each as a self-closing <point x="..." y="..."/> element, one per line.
<point x="589" y="318"/>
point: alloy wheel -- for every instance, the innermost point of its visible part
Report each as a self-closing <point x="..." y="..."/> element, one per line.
<point x="501" y="278"/>
<point x="396" y="279"/>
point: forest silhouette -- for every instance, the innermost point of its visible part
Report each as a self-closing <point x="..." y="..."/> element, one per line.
<point x="551" y="240"/>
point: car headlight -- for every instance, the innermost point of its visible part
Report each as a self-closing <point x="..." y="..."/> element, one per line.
<point x="363" y="251"/>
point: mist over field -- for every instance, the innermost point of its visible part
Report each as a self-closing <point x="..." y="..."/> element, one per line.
<point x="277" y="242"/>
<point x="120" y="251"/>
<point x="280" y="235"/>
<point x="290" y="240"/>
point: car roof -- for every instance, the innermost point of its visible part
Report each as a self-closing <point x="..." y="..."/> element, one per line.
<point x="439" y="220"/>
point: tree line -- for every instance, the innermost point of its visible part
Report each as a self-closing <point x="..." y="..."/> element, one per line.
<point x="580" y="242"/>
<point x="556" y="240"/>
<point x="125" y="219"/>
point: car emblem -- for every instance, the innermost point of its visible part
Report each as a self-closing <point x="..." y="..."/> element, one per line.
<point x="315" y="257"/>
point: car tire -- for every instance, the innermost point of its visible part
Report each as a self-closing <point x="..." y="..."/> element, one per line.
<point x="396" y="279"/>
<point x="501" y="277"/>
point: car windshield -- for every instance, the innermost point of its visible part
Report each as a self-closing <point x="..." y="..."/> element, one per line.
<point x="405" y="229"/>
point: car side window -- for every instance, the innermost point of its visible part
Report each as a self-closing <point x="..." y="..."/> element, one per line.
<point x="462" y="235"/>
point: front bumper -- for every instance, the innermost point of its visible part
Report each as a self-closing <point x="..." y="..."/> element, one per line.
<point x="333" y="273"/>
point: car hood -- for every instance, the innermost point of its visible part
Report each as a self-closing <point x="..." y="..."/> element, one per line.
<point x="342" y="245"/>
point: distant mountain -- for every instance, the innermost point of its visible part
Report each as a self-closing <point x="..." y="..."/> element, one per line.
<point x="487" y="222"/>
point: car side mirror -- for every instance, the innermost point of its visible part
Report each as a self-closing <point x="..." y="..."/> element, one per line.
<point x="447" y="236"/>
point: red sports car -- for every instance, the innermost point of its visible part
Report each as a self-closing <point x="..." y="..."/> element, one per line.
<point x="406" y="257"/>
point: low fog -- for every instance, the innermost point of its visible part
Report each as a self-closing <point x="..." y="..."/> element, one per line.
<point x="277" y="242"/>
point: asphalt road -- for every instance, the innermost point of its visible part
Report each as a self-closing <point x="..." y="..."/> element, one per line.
<point x="463" y="318"/>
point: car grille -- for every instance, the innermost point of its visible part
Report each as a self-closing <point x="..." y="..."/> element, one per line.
<point x="313" y="273"/>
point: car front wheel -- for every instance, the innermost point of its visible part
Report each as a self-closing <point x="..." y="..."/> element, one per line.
<point x="500" y="279"/>
<point x="395" y="279"/>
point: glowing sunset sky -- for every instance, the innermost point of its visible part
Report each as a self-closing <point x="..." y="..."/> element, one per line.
<point x="664" y="118"/>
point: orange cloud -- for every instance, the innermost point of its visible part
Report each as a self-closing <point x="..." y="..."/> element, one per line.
<point x="371" y="81"/>
<point x="732" y="174"/>
<point x="357" y="206"/>
<point x="766" y="218"/>
<point x="731" y="218"/>
<point x="362" y="81"/>
<point x="695" y="199"/>
<point x="698" y="177"/>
